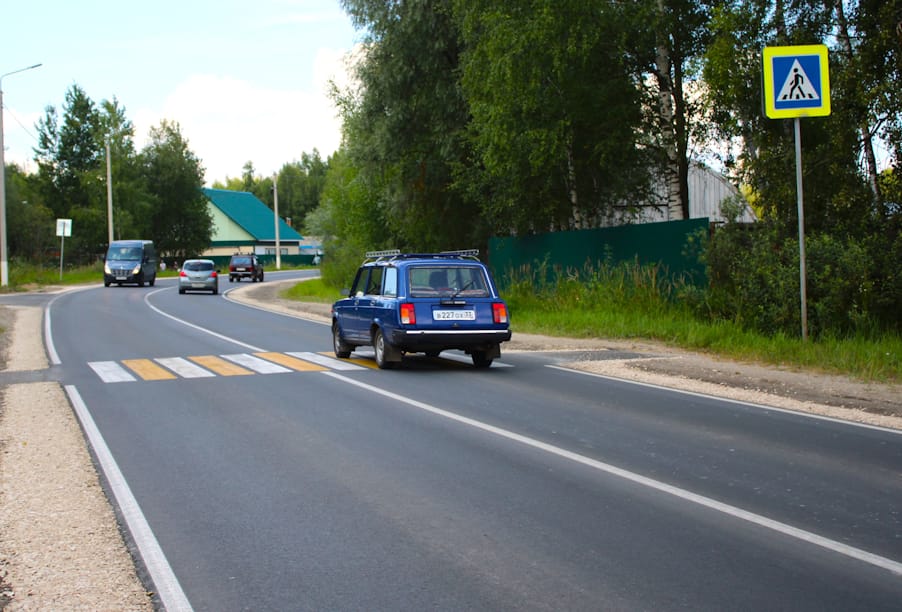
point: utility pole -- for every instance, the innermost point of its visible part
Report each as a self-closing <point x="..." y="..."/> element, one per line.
<point x="109" y="190"/>
<point x="275" y="199"/>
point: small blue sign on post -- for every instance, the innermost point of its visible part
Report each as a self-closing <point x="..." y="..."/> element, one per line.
<point x="796" y="82"/>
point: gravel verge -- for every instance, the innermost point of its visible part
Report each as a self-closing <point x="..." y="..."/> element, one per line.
<point x="61" y="547"/>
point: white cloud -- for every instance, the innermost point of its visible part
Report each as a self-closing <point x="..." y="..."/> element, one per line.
<point x="229" y="121"/>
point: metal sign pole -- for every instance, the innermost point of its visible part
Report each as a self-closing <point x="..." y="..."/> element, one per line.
<point x="796" y="85"/>
<point x="62" y="250"/>
<point x="802" y="271"/>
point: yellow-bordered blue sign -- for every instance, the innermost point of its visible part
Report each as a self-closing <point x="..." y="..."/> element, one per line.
<point x="796" y="82"/>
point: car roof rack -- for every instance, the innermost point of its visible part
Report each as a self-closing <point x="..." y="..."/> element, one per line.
<point x="393" y="254"/>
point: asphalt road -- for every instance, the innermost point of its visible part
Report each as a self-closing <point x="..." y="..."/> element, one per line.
<point x="526" y="486"/>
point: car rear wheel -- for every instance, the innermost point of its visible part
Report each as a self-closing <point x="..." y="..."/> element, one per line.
<point x="342" y="350"/>
<point x="481" y="359"/>
<point x="379" y="349"/>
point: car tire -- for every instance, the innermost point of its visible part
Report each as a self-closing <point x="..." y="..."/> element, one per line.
<point x="379" y="350"/>
<point x="481" y="360"/>
<point x="342" y="350"/>
<point x="106" y="283"/>
<point x="216" y="292"/>
<point x="152" y="280"/>
<point x="181" y="292"/>
<point x="261" y="277"/>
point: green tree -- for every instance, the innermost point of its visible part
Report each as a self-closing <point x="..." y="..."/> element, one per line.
<point x="348" y="220"/>
<point x="301" y="185"/>
<point x="556" y="113"/>
<point x="69" y="157"/>
<point x="132" y="206"/>
<point x="668" y="39"/>
<point x="30" y="225"/>
<point x="180" y="224"/>
<point x="405" y="127"/>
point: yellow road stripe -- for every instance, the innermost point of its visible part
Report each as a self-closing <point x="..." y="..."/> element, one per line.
<point x="366" y="362"/>
<point x="291" y="362"/>
<point x="220" y="366"/>
<point x="148" y="370"/>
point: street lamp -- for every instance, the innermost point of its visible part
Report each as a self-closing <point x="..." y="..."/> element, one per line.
<point x="4" y="264"/>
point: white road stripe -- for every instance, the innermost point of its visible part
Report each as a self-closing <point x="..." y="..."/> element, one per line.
<point x="261" y="366"/>
<point x="110" y="371"/>
<point x="167" y="585"/>
<point x="184" y="368"/>
<point x="327" y="362"/>
<point x="707" y="502"/>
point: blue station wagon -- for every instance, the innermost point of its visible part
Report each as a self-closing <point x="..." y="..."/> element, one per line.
<point x="421" y="303"/>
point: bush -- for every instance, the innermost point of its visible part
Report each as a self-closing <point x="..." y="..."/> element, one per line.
<point x="754" y="281"/>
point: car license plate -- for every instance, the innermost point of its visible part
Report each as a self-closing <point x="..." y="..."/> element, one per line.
<point x="241" y="269"/>
<point x="121" y="278"/>
<point x="198" y="285"/>
<point x="453" y="315"/>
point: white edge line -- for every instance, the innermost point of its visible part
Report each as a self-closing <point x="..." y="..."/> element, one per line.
<point x="168" y="588"/>
<point x="707" y="502"/>
<point x="730" y="400"/>
<point x="197" y="327"/>
<point x="301" y="317"/>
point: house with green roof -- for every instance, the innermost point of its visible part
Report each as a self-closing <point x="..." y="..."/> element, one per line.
<point x="241" y="222"/>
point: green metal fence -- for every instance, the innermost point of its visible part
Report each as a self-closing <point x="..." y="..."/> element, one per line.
<point x="667" y="243"/>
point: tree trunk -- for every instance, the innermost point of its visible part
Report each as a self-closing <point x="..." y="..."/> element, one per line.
<point x="867" y="142"/>
<point x="665" y="116"/>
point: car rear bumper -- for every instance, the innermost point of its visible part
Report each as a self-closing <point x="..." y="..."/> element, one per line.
<point x="416" y="340"/>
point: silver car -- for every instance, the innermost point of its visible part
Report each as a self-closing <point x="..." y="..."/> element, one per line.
<point x="199" y="275"/>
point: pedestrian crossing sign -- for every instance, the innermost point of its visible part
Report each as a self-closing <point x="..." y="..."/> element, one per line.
<point x="796" y="82"/>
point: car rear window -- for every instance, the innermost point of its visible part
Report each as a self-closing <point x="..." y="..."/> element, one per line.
<point x="198" y="266"/>
<point x="241" y="261"/>
<point x="433" y="281"/>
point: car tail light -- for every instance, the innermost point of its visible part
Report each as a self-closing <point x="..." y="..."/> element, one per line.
<point x="214" y="274"/>
<point x="408" y="315"/>
<point x="182" y="273"/>
<point x="499" y="312"/>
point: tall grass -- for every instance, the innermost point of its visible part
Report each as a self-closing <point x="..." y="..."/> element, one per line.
<point x="629" y="300"/>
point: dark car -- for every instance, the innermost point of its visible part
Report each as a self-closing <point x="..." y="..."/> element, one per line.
<point x="245" y="266"/>
<point x="130" y="261"/>
<point x="421" y="303"/>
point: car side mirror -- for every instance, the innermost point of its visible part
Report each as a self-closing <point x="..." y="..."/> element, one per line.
<point x="345" y="292"/>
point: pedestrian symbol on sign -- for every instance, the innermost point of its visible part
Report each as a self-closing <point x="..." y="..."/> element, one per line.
<point x="798" y="85"/>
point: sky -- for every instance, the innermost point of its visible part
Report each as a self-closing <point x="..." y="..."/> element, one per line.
<point x="245" y="81"/>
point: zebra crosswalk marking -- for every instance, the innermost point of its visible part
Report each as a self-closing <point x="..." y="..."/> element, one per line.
<point x="289" y="360"/>
<point x="241" y="364"/>
<point x="326" y="361"/>
<point x="148" y="370"/>
<point x="261" y="366"/>
<point x="220" y="365"/>
<point x="110" y="371"/>
<point x="184" y="368"/>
